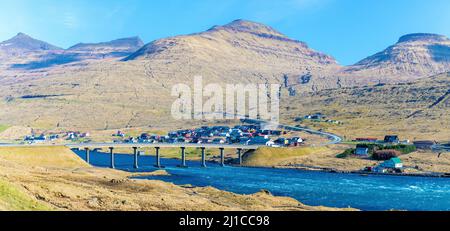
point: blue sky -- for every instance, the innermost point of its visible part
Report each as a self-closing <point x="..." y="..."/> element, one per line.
<point x="349" y="30"/>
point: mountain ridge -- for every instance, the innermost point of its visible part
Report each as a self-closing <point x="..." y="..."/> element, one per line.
<point x="25" y="43"/>
<point x="414" y="56"/>
<point x="129" y="43"/>
<point x="233" y="33"/>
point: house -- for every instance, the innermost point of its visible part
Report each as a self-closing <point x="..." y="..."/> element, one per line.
<point x="119" y="134"/>
<point x="393" y="163"/>
<point x="367" y="139"/>
<point x="53" y="137"/>
<point x="218" y="141"/>
<point x="275" y="133"/>
<point x="281" y="141"/>
<point x="391" y="139"/>
<point x="29" y="138"/>
<point x="362" y="150"/>
<point x="316" y="116"/>
<point x="271" y="143"/>
<point x="296" y="141"/>
<point x="259" y="140"/>
<point x="40" y="139"/>
<point x="424" y="144"/>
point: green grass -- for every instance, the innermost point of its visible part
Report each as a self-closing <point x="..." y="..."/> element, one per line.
<point x="403" y="148"/>
<point x="3" y="127"/>
<point x="346" y="153"/>
<point x="12" y="199"/>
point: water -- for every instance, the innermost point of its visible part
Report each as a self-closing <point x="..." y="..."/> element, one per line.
<point x="312" y="188"/>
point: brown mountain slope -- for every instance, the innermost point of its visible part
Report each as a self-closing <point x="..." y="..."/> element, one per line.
<point x="24" y="43"/>
<point x="112" y="94"/>
<point x="23" y="54"/>
<point x="414" y="56"/>
<point x="415" y="110"/>
<point x="233" y="41"/>
<point x="241" y="50"/>
<point x="118" y="47"/>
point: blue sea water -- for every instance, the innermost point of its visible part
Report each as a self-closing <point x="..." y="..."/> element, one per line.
<point x="371" y="192"/>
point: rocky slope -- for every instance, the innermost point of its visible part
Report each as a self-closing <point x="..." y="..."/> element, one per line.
<point x="22" y="43"/>
<point x="26" y="54"/>
<point x="73" y="91"/>
<point x="118" y="47"/>
<point x="413" y="56"/>
<point x="243" y="51"/>
<point x="417" y="110"/>
<point x="234" y="39"/>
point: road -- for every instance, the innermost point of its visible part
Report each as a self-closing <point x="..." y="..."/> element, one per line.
<point x="334" y="139"/>
<point x="163" y="145"/>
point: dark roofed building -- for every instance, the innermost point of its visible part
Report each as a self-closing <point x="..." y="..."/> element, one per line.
<point x="362" y="150"/>
<point x="391" y="139"/>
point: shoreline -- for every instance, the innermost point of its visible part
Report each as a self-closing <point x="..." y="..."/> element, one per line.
<point x="335" y="171"/>
<point x="326" y="170"/>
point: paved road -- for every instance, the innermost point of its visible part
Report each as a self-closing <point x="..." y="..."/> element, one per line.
<point x="334" y="139"/>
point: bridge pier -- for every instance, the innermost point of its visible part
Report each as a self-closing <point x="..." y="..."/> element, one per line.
<point x="203" y="157"/>
<point x="158" y="158"/>
<point x="136" y="166"/>
<point x="111" y="152"/>
<point x="222" y="157"/>
<point x="183" y="157"/>
<point x="87" y="155"/>
<point x="239" y="152"/>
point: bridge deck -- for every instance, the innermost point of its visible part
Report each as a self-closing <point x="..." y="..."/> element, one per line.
<point x="162" y="145"/>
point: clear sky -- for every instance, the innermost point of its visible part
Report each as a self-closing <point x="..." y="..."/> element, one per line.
<point x="349" y="30"/>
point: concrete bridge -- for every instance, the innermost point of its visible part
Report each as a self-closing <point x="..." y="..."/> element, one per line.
<point x="182" y="146"/>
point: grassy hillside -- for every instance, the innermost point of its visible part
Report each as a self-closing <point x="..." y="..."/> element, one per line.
<point x="267" y="156"/>
<point x="30" y="180"/>
<point x="52" y="157"/>
<point x="3" y="127"/>
<point x="417" y="110"/>
<point x="14" y="199"/>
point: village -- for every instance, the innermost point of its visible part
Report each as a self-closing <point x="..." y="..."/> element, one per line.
<point x="386" y="152"/>
<point x="389" y="150"/>
<point x="250" y="134"/>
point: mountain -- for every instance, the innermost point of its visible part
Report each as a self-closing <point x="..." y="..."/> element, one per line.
<point x="241" y="49"/>
<point x="124" y="45"/>
<point x="50" y="56"/>
<point x="416" y="110"/>
<point x="121" y="92"/>
<point x="413" y="56"/>
<point x="233" y="39"/>
<point x="24" y="43"/>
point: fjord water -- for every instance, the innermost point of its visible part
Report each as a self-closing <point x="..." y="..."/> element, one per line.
<point x="311" y="188"/>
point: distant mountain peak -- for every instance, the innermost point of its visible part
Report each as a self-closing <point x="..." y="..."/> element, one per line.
<point x="23" y="42"/>
<point x="129" y="44"/>
<point x="23" y="35"/>
<point x="426" y="37"/>
<point x="246" y="26"/>
<point x="415" y="55"/>
<point x="256" y="40"/>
